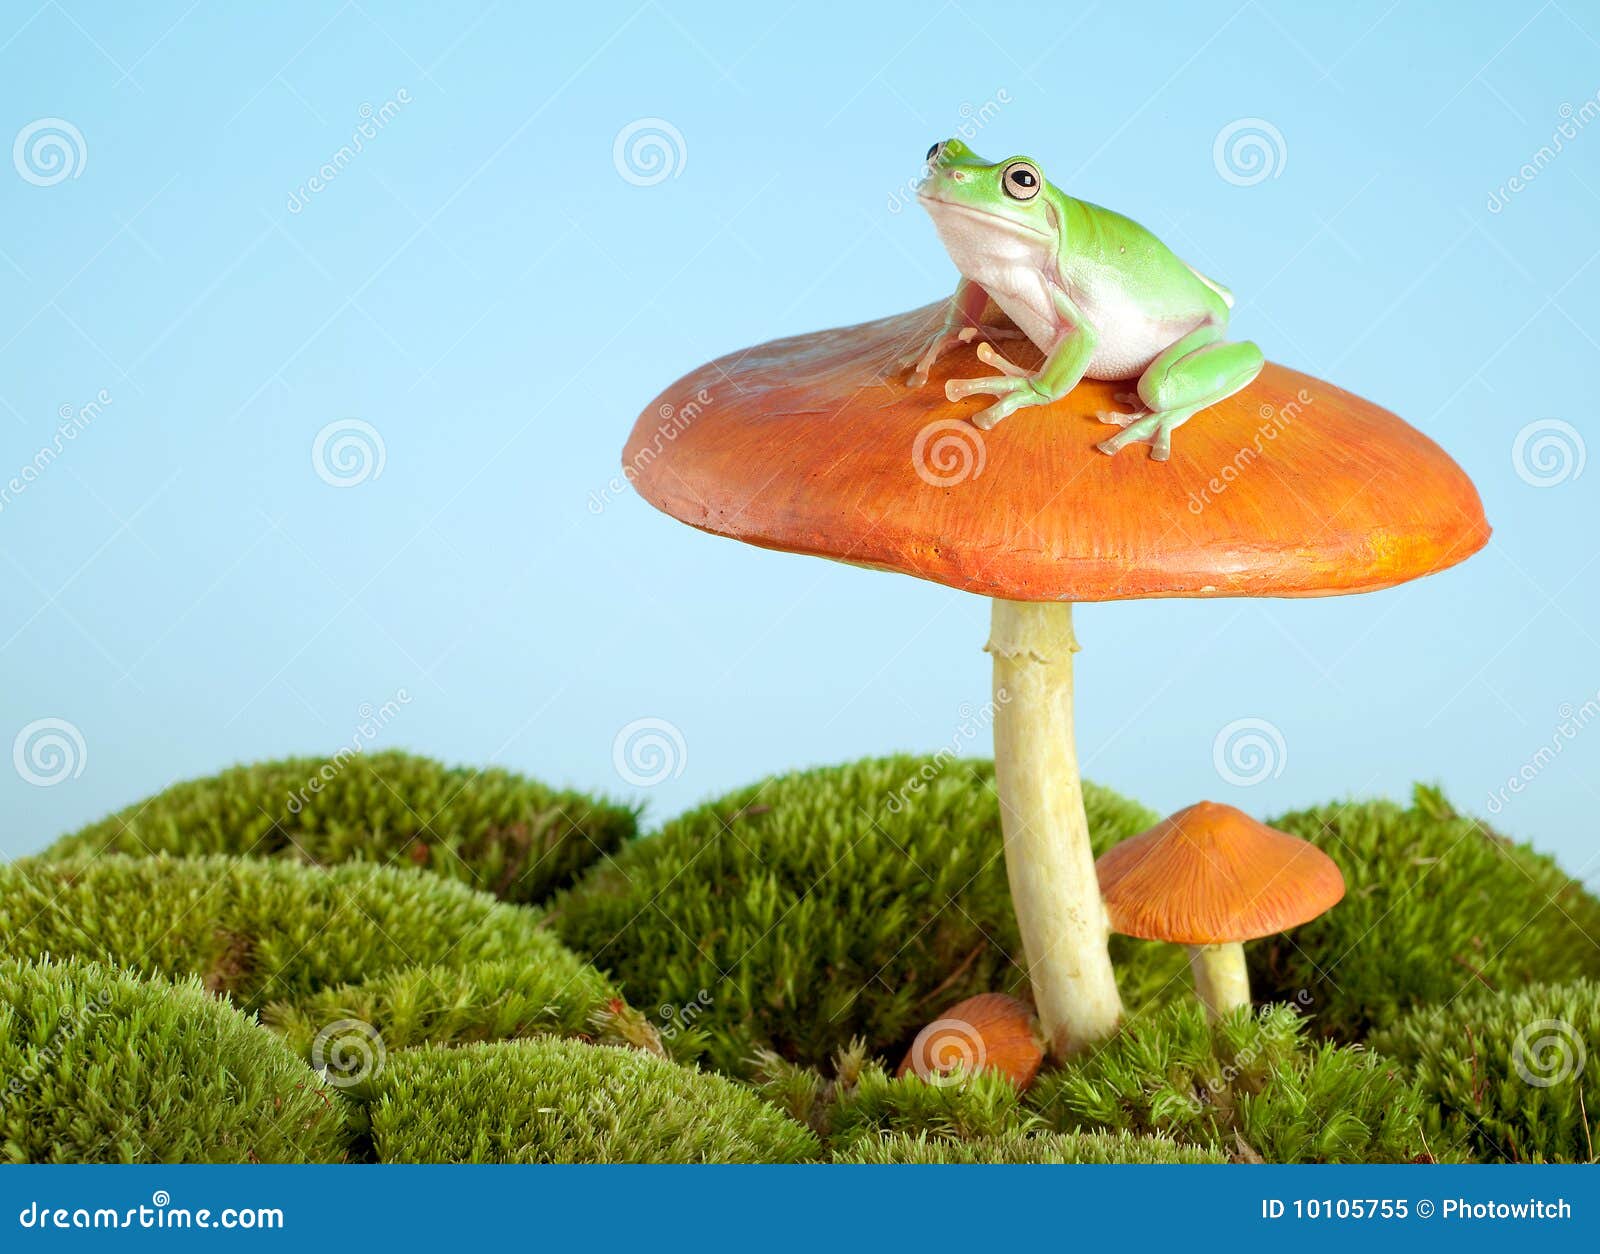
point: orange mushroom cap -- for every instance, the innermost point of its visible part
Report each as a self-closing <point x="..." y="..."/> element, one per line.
<point x="989" y="1032"/>
<point x="1211" y="874"/>
<point x="816" y="445"/>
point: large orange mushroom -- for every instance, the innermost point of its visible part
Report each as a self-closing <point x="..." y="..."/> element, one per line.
<point x="1292" y="487"/>
<point x="1210" y="877"/>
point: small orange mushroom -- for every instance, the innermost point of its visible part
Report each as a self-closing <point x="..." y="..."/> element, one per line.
<point x="990" y="1032"/>
<point x="1211" y="877"/>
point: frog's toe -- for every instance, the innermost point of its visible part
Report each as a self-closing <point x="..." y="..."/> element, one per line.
<point x="988" y="334"/>
<point x="1117" y="418"/>
<point x="1138" y="429"/>
<point x="989" y="356"/>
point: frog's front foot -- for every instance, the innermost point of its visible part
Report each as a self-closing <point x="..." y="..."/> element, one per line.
<point x="1013" y="388"/>
<point x="922" y="361"/>
<point x="1143" y="427"/>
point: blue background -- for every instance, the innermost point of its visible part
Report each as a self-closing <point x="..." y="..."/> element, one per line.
<point x="483" y="288"/>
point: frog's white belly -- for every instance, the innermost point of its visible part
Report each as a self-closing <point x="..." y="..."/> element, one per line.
<point x="1017" y="269"/>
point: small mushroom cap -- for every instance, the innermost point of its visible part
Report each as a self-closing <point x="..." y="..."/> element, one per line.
<point x="815" y="444"/>
<point x="1211" y="874"/>
<point x="989" y="1032"/>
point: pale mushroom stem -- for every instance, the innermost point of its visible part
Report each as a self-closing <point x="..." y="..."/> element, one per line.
<point x="1049" y="861"/>
<point x="1220" y="978"/>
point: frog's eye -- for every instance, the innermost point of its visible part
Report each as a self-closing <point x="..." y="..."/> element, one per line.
<point x="933" y="152"/>
<point x="1021" y="181"/>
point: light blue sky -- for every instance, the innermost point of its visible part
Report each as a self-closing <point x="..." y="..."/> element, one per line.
<point x="482" y="287"/>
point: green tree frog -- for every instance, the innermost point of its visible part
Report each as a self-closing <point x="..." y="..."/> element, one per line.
<point x="1097" y="293"/>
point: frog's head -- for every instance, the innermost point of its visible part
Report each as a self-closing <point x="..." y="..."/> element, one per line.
<point x="962" y="184"/>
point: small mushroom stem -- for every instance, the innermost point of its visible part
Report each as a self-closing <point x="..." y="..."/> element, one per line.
<point x="1220" y="978"/>
<point x="1049" y="861"/>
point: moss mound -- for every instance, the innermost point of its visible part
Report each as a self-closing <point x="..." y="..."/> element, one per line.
<point x="1436" y="902"/>
<point x="1252" y="1086"/>
<point x="562" y="1101"/>
<point x="103" y="1067"/>
<point x="1022" y="1147"/>
<point x="492" y="829"/>
<point x="1512" y="1073"/>
<point x="862" y="1102"/>
<point x="257" y="931"/>
<point x="850" y="901"/>
<point x="548" y="992"/>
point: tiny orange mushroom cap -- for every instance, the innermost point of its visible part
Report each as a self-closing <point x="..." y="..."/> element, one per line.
<point x="989" y="1032"/>
<point x="1211" y="877"/>
<point x="1291" y="487"/>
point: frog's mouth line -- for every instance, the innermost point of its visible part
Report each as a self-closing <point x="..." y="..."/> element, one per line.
<point x="937" y="204"/>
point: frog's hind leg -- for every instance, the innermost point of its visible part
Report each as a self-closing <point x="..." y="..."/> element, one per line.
<point x="1198" y="370"/>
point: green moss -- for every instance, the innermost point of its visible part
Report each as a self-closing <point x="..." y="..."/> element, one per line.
<point x="1022" y="1147"/>
<point x="1436" y="902"/>
<point x="851" y="901"/>
<point x="497" y="831"/>
<point x="257" y="931"/>
<point x="1252" y="1086"/>
<point x="862" y="1101"/>
<point x="1515" y="1073"/>
<point x="544" y="991"/>
<point x="102" y="1067"/>
<point x="562" y="1101"/>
